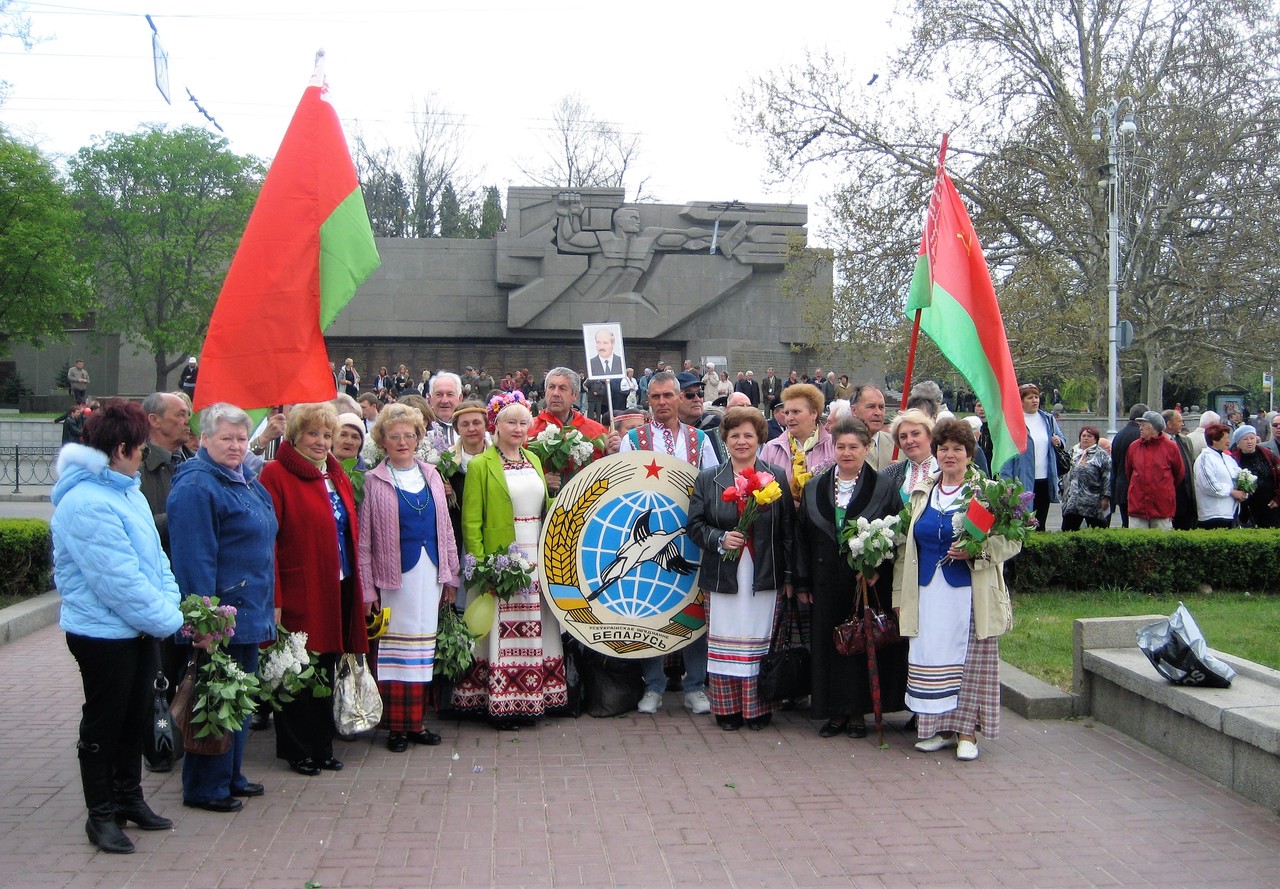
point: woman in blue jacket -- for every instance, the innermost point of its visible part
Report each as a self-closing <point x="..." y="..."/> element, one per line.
<point x="222" y="532"/>
<point x="117" y="593"/>
<point x="1037" y="466"/>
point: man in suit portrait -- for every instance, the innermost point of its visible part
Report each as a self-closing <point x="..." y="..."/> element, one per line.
<point x="606" y="363"/>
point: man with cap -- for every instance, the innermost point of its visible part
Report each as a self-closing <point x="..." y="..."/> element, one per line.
<point x="691" y="410"/>
<point x="1153" y="465"/>
<point x="666" y="433"/>
<point x="187" y="381"/>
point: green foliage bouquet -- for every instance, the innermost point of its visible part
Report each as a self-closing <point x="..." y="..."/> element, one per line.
<point x="225" y="695"/>
<point x="287" y="669"/>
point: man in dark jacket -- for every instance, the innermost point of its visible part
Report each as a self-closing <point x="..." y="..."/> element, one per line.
<point x="1154" y="466"/>
<point x="1185" y="518"/>
<point x="1119" y="478"/>
<point x="749" y="387"/>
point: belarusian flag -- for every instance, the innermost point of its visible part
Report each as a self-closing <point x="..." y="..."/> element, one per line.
<point x="978" y="520"/>
<point x="958" y="310"/>
<point x="307" y="247"/>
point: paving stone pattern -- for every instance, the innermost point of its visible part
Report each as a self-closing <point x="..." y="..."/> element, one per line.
<point x="639" y="801"/>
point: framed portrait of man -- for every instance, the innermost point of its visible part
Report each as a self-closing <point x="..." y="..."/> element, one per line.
<point x="604" y="351"/>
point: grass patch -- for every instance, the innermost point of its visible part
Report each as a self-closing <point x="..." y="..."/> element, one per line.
<point x="7" y="600"/>
<point x="1041" y="640"/>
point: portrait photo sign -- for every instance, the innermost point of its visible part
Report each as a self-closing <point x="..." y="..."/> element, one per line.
<point x="605" y="357"/>
<point x="615" y="563"/>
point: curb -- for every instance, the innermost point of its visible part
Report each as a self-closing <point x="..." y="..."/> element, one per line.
<point x="25" y="618"/>
<point x="1033" y="698"/>
<point x="24" y="498"/>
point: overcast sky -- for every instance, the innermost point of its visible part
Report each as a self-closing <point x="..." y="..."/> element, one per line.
<point x="669" y="71"/>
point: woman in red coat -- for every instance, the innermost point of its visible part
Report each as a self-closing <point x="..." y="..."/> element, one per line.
<point x="317" y="585"/>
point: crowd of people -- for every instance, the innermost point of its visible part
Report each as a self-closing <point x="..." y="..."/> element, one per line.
<point x="266" y="517"/>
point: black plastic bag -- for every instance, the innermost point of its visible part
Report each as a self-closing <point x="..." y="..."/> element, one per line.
<point x="611" y="686"/>
<point x="1177" y="649"/>
<point x="573" y="679"/>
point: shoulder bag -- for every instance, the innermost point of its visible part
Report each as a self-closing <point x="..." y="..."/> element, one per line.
<point x="784" y="671"/>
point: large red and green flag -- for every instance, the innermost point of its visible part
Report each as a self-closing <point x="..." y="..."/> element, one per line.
<point x="306" y="249"/>
<point x="953" y="292"/>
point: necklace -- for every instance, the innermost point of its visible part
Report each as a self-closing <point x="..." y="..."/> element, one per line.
<point x="426" y="500"/>
<point x="508" y="461"/>
<point x="947" y="493"/>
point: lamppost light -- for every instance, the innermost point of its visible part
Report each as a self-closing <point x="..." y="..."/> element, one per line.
<point x="1128" y="126"/>
<point x="1097" y="133"/>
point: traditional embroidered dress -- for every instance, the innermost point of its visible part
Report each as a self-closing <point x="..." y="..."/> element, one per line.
<point x="519" y="669"/>
<point x="739" y="629"/>
<point x="952" y="676"/>
<point x="406" y="653"/>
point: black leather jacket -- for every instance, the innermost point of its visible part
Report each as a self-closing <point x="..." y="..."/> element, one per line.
<point x="710" y="518"/>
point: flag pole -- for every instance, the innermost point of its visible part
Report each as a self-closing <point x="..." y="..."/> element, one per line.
<point x="915" y="324"/>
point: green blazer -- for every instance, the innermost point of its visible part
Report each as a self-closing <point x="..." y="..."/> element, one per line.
<point x="488" y="518"/>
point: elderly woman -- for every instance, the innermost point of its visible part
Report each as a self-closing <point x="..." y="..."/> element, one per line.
<point x="912" y="432"/>
<point x="519" y="669"/>
<point x="350" y="439"/>
<point x="222" y="534"/>
<point x="1037" y="466"/>
<point x="408" y="563"/>
<point x="804" y="449"/>
<point x="1215" y="471"/>
<point x="118" y="595"/>
<point x="849" y="490"/>
<point x="952" y="607"/>
<point x="743" y="594"/>
<point x="317" y="579"/>
<point x="1086" y="497"/>
<point x="1259" y="509"/>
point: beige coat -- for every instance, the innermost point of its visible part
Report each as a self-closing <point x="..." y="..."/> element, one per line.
<point x="992" y="611"/>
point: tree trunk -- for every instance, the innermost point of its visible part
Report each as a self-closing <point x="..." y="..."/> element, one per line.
<point x="162" y="372"/>
<point x="1154" y="390"/>
<point x="1100" y="380"/>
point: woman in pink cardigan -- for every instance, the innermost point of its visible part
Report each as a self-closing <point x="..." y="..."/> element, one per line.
<point x="408" y="563"/>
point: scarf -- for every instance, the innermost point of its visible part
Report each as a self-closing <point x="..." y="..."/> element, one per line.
<point x="800" y="474"/>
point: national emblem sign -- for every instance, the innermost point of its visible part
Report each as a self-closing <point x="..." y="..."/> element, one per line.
<point x="615" y="563"/>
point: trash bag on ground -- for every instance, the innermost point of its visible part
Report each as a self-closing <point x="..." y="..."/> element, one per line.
<point x="611" y="686"/>
<point x="1177" y="649"/>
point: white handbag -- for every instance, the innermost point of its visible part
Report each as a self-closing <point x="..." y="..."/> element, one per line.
<point x="357" y="706"/>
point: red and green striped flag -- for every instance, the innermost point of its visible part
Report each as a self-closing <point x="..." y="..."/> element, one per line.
<point x="952" y="289"/>
<point x="306" y="249"/>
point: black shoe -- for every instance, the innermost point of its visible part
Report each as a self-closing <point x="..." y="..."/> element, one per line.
<point x="140" y="814"/>
<point x="506" y="725"/>
<point x="857" y="729"/>
<point x="730" y="723"/>
<point x="306" y="766"/>
<point x="398" y="742"/>
<point x="159" y="766"/>
<point x="248" y="790"/>
<point x="425" y="737"/>
<point x="331" y="765"/>
<point x="833" y="728"/>
<point x="259" y="720"/>
<point x="107" y="835"/>
<point x="911" y="724"/>
<point x="756" y="723"/>
<point x="224" y="805"/>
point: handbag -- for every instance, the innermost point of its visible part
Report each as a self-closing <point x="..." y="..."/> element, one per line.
<point x="183" y="709"/>
<point x="1061" y="455"/>
<point x="160" y="746"/>
<point x="784" y="671"/>
<point x="850" y="637"/>
<point x="357" y="706"/>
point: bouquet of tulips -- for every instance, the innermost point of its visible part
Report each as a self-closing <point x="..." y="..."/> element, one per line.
<point x="753" y="492"/>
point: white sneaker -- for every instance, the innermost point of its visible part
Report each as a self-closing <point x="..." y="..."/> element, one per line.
<point x="696" y="702"/>
<point x="650" y="703"/>
<point x="967" y="751"/>
<point x="936" y="743"/>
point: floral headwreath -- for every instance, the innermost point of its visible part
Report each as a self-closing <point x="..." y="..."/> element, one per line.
<point x="498" y="402"/>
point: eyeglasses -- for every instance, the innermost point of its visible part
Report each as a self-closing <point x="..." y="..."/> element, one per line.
<point x="402" y="436"/>
<point x="692" y="396"/>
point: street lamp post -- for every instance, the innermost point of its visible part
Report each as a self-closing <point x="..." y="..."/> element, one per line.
<point x="1116" y="122"/>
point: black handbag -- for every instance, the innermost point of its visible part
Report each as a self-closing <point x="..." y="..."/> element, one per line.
<point x="784" y="672"/>
<point x="159" y="747"/>
<point x="1062" y="456"/>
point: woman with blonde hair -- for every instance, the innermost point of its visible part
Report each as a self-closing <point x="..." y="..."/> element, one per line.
<point x="317" y="577"/>
<point x="911" y="431"/>
<point x="804" y="449"/>
<point x="408" y="563"/>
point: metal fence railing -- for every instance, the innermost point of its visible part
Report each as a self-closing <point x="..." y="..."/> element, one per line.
<point x="27" y="465"/>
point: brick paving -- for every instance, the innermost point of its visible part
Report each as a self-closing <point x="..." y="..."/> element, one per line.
<point x="639" y="801"/>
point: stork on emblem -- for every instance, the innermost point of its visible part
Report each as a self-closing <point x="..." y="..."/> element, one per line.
<point x="645" y="545"/>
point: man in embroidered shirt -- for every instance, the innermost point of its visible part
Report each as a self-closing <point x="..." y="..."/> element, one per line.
<point x="562" y="386"/>
<point x="667" y="434"/>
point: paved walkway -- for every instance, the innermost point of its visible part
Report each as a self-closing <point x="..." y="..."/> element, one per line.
<point x="639" y="801"/>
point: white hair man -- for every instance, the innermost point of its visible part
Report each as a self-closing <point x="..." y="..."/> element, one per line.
<point x="561" y="387"/>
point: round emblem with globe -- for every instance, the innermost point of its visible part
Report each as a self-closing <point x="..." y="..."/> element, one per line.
<point x="616" y="565"/>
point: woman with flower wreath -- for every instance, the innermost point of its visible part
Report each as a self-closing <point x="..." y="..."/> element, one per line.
<point x="952" y="606"/>
<point x="317" y="579"/>
<point x="834" y="500"/>
<point x="409" y="563"/>
<point x="743" y="588"/>
<point x="519" y="668"/>
<point x="222" y="533"/>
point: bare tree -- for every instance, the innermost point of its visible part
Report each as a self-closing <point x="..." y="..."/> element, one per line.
<point x="582" y="151"/>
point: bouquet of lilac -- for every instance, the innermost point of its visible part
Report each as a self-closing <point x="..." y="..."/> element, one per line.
<point x="503" y="573"/>
<point x="435" y="450"/>
<point x="1008" y="510"/>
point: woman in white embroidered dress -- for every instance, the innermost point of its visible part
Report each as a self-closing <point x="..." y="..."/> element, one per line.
<point x="408" y="563"/>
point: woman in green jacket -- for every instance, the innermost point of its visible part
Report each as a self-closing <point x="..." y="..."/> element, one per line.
<point x="519" y="668"/>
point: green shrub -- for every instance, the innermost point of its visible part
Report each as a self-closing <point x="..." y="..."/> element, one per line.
<point x="1149" y="561"/>
<point x="26" y="557"/>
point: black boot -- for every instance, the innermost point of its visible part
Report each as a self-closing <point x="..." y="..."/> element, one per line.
<point x="101" y="828"/>
<point x="130" y="806"/>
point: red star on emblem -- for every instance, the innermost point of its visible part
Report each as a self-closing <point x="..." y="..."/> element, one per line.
<point x="653" y="469"/>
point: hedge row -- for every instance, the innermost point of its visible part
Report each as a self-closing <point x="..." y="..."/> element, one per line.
<point x="26" y="557"/>
<point x="1149" y="561"/>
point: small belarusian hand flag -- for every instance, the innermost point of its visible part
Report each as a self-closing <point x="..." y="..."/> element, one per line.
<point x="978" y="520"/>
